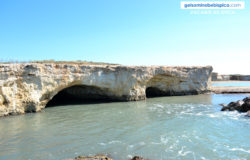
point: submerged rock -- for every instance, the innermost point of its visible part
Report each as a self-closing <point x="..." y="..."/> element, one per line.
<point x="247" y="99"/>
<point x="248" y="114"/>
<point x="138" y="158"/>
<point x="103" y="157"/>
<point x="240" y="105"/>
<point x="97" y="157"/>
<point x="223" y="105"/>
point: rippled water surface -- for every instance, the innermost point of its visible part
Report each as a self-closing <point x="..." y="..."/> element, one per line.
<point x="185" y="127"/>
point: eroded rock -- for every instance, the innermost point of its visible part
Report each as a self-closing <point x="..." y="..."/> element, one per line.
<point x="97" y="157"/>
<point x="103" y="157"/>
<point x="248" y="114"/>
<point x="240" y="105"/>
<point x="138" y="158"/>
<point x="28" y="87"/>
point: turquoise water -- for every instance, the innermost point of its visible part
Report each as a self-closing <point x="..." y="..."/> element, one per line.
<point x="184" y="127"/>
<point x="233" y="84"/>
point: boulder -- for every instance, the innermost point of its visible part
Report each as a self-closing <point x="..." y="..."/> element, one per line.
<point x="240" y="105"/>
<point x="246" y="99"/>
<point x="248" y="114"/>
<point x="223" y="105"/>
<point x="246" y="106"/>
<point x="138" y="158"/>
<point x="97" y="157"/>
<point x="225" y="108"/>
<point x="102" y="157"/>
<point x="239" y="102"/>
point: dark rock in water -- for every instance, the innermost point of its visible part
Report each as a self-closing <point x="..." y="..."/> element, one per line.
<point x="239" y="102"/>
<point x="225" y="109"/>
<point x="240" y="105"/>
<point x="223" y="105"/>
<point x="228" y="109"/>
<point x="247" y="99"/>
<point x="246" y="106"/>
<point x="97" y="157"/>
<point x="231" y="104"/>
<point x="103" y="157"/>
<point x="138" y="158"/>
<point x="232" y="109"/>
<point x="248" y="114"/>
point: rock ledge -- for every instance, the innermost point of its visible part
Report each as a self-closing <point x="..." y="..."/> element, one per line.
<point x="240" y="105"/>
<point x="28" y="87"/>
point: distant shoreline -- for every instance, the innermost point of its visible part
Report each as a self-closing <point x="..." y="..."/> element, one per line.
<point x="229" y="81"/>
<point x="230" y="89"/>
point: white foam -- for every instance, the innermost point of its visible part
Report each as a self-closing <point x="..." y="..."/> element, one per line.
<point x="131" y="146"/>
<point x="164" y="139"/>
<point x="199" y="114"/>
<point x="111" y="142"/>
<point x="142" y="143"/>
<point x="155" y="143"/>
<point x="212" y="115"/>
<point x="182" y="153"/>
<point x="168" y="112"/>
<point x="159" y="106"/>
<point x="240" y="149"/>
<point x="184" y="136"/>
<point x="102" y="144"/>
<point x="130" y="156"/>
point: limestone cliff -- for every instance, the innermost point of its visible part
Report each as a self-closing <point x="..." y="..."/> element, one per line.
<point x="28" y="87"/>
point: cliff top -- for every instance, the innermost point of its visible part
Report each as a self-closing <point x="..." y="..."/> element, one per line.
<point x="80" y="62"/>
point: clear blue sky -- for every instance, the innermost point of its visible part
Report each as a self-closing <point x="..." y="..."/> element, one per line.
<point x="129" y="32"/>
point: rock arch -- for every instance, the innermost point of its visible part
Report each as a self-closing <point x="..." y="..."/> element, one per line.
<point x="168" y="85"/>
<point x="78" y="94"/>
<point x="28" y="87"/>
<point x="78" y="91"/>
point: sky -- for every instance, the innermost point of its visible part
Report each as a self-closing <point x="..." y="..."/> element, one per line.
<point x="128" y="32"/>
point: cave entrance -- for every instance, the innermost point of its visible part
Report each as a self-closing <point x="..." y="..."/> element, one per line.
<point x="155" y="92"/>
<point x="80" y="94"/>
<point x="161" y="85"/>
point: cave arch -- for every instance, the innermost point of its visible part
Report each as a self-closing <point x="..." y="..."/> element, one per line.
<point x="80" y="94"/>
<point x="156" y="92"/>
<point x="167" y="85"/>
<point x="161" y="85"/>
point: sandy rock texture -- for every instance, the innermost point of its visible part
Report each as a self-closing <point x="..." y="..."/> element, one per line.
<point x="28" y="87"/>
<point x="97" y="157"/>
<point x="102" y="157"/>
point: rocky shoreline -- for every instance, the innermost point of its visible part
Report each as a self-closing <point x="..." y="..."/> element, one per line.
<point x="240" y="106"/>
<point x="230" y="90"/>
<point x="103" y="157"/>
<point x="29" y="87"/>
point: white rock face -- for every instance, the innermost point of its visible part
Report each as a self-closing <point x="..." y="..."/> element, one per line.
<point x="28" y="87"/>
